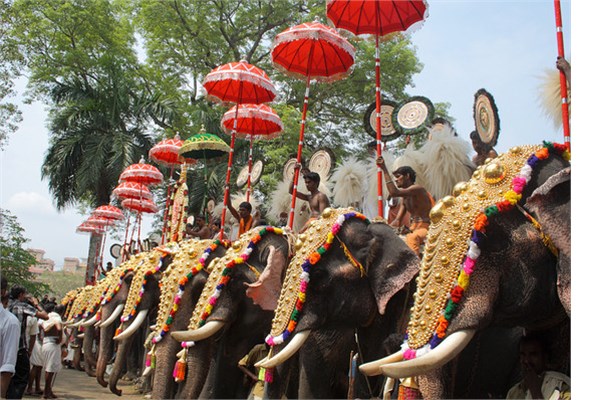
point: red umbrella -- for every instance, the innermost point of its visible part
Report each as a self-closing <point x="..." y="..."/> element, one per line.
<point x="100" y="221"/>
<point x="108" y="211"/>
<point x="86" y="227"/>
<point x="141" y="172"/>
<point x="254" y="121"/>
<point x="237" y="82"/>
<point x="166" y="153"/>
<point x="311" y="51"/>
<point x="132" y="190"/>
<point x="141" y="206"/>
<point x="379" y="18"/>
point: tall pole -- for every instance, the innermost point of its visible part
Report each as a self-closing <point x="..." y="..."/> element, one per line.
<point x="249" y="183"/>
<point x="563" y="78"/>
<point x="300" y="141"/>
<point x="378" y="115"/>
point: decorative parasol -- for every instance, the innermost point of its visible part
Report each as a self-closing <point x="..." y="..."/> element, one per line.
<point x="108" y="211"/>
<point x="311" y="51"/>
<point x="141" y="206"/>
<point x="238" y="83"/>
<point x="141" y="172"/>
<point x="132" y="190"/>
<point x="204" y="146"/>
<point x="254" y="121"/>
<point x="86" y="227"/>
<point x="377" y="18"/>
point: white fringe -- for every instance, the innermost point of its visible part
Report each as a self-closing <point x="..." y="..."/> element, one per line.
<point x="549" y="96"/>
<point x="347" y="183"/>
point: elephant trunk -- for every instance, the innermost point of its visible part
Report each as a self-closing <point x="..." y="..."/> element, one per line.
<point x="137" y="322"/>
<point x="436" y="358"/>
<point x="288" y="351"/>
<point x="88" y="353"/>
<point x="120" y="360"/>
<point x="206" y="331"/>
<point x="105" y="351"/>
<point x="163" y="386"/>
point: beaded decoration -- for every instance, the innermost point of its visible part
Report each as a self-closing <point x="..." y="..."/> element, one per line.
<point x="81" y="302"/>
<point x="311" y="246"/>
<point x="500" y="182"/>
<point x="179" y="207"/>
<point x="150" y="263"/>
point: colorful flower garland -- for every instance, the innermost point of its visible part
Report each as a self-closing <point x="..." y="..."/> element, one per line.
<point x="511" y="198"/>
<point x="311" y="260"/>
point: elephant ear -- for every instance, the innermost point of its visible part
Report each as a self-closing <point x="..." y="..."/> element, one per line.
<point x="551" y="205"/>
<point x="392" y="265"/>
<point x="265" y="291"/>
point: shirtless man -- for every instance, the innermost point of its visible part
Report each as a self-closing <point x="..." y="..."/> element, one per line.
<point x="316" y="200"/>
<point x="416" y="200"/>
<point x="198" y="228"/>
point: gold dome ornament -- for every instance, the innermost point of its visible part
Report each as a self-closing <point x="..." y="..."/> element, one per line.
<point x="493" y="173"/>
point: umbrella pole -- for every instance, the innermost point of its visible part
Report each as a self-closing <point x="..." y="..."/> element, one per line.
<point x="102" y="246"/>
<point x="167" y="207"/>
<point x="378" y="116"/>
<point x="139" y="238"/>
<point x="228" y="176"/>
<point x="563" y="79"/>
<point x="248" y="189"/>
<point x="125" y="252"/>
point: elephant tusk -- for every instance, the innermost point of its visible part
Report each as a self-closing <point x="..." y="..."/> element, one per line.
<point x="374" y="367"/>
<point x="98" y="323"/>
<point x="292" y="348"/>
<point x="116" y="312"/>
<point x="444" y="352"/>
<point x="80" y="336"/>
<point x="89" y="322"/>
<point x="137" y="322"/>
<point x="209" y="329"/>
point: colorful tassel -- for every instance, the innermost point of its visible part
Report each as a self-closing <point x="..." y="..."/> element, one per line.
<point x="180" y="366"/>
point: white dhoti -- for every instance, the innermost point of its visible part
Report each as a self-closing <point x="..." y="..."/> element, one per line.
<point x="36" y="358"/>
<point x="51" y="354"/>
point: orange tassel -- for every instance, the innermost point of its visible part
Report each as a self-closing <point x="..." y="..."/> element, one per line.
<point x="180" y="366"/>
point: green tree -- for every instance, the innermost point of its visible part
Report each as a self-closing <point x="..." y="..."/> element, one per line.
<point x="14" y="259"/>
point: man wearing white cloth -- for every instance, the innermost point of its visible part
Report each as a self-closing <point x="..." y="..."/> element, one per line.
<point x="51" y="349"/>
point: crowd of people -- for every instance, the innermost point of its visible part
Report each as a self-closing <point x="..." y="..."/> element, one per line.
<point x="31" y="343"/>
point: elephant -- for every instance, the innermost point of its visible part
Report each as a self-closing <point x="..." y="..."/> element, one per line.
<point x="356" y="296"/>
<point x="185" y="295"/>
<point x="516" y="273"/>
<point x="140" y="308"/>
<point x="233" y="325"/>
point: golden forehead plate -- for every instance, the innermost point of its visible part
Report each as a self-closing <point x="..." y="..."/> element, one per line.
<point x="216" y="268"/>
<point x="308" y="242"/>
<point x="452" y="220"/>
<point x="181" y="265"/>
<point x="146" y="263"/>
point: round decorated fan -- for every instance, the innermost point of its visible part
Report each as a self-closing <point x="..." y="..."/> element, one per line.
<point x="413" y="115"/>
<point x="485" y="114"/>
<point x="388" y="130"/>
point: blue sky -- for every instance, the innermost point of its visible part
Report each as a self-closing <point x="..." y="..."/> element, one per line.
<point x="502" y="46"/>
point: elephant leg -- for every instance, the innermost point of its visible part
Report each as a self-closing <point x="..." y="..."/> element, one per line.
<point x="88" y="352"/>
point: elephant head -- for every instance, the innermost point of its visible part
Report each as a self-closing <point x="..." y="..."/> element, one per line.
<point x="234" y="302"/>
<point x="181" y="286"/>
<point x="490" y="268"/>
<point x="347" y="276"/>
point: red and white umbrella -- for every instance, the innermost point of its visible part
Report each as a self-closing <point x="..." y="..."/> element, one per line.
<point x="108" y="211"/>
<point x="140" y="206"/>
<point x="311" y="51"/>
<point x="254" y="121"/>
<point x="100" y="221"/>
<point x="238" y="83"/>
<point x="132" y="190"/>
<point x="379" y="18"/>
<point x="86" y="227"/>
<point x="166" y="153"/>
<point x="141" y="172"/>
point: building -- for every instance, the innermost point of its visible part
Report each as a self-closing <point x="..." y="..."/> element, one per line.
<point x="75" y="265"/>
<point x="43" y="264"/>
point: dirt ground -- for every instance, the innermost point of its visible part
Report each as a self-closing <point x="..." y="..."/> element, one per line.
<point x="73" y="384"/>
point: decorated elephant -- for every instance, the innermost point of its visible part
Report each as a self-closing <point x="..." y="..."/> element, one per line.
<point x="140" y="309"/>
<point x="497" y="255"/>
<point x="112" y="306"/>
<point x="232" y="315"/>
<point x="346" y="290"/>
<point x="181" y="286"/>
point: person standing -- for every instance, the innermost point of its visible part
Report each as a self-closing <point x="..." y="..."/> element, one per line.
<point x="22" y="310"/>
<point x="483" y="151"/>
<point x="243" y="215"/>
<point x="51" y="349"/>
<point x="9" y="340"/>
<point x="36" y="361"/>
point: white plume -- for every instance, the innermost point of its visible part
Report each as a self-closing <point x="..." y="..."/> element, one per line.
<point x="447" y="162"/>
<point x="549" y="97"/>
<point x="348" y="183"/>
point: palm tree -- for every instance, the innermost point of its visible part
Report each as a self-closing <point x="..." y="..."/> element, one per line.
<point x="98" y="127"/>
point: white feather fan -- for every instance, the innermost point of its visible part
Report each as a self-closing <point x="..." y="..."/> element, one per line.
<point x="347" y="183"/>
<point x="549" y="97"/>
